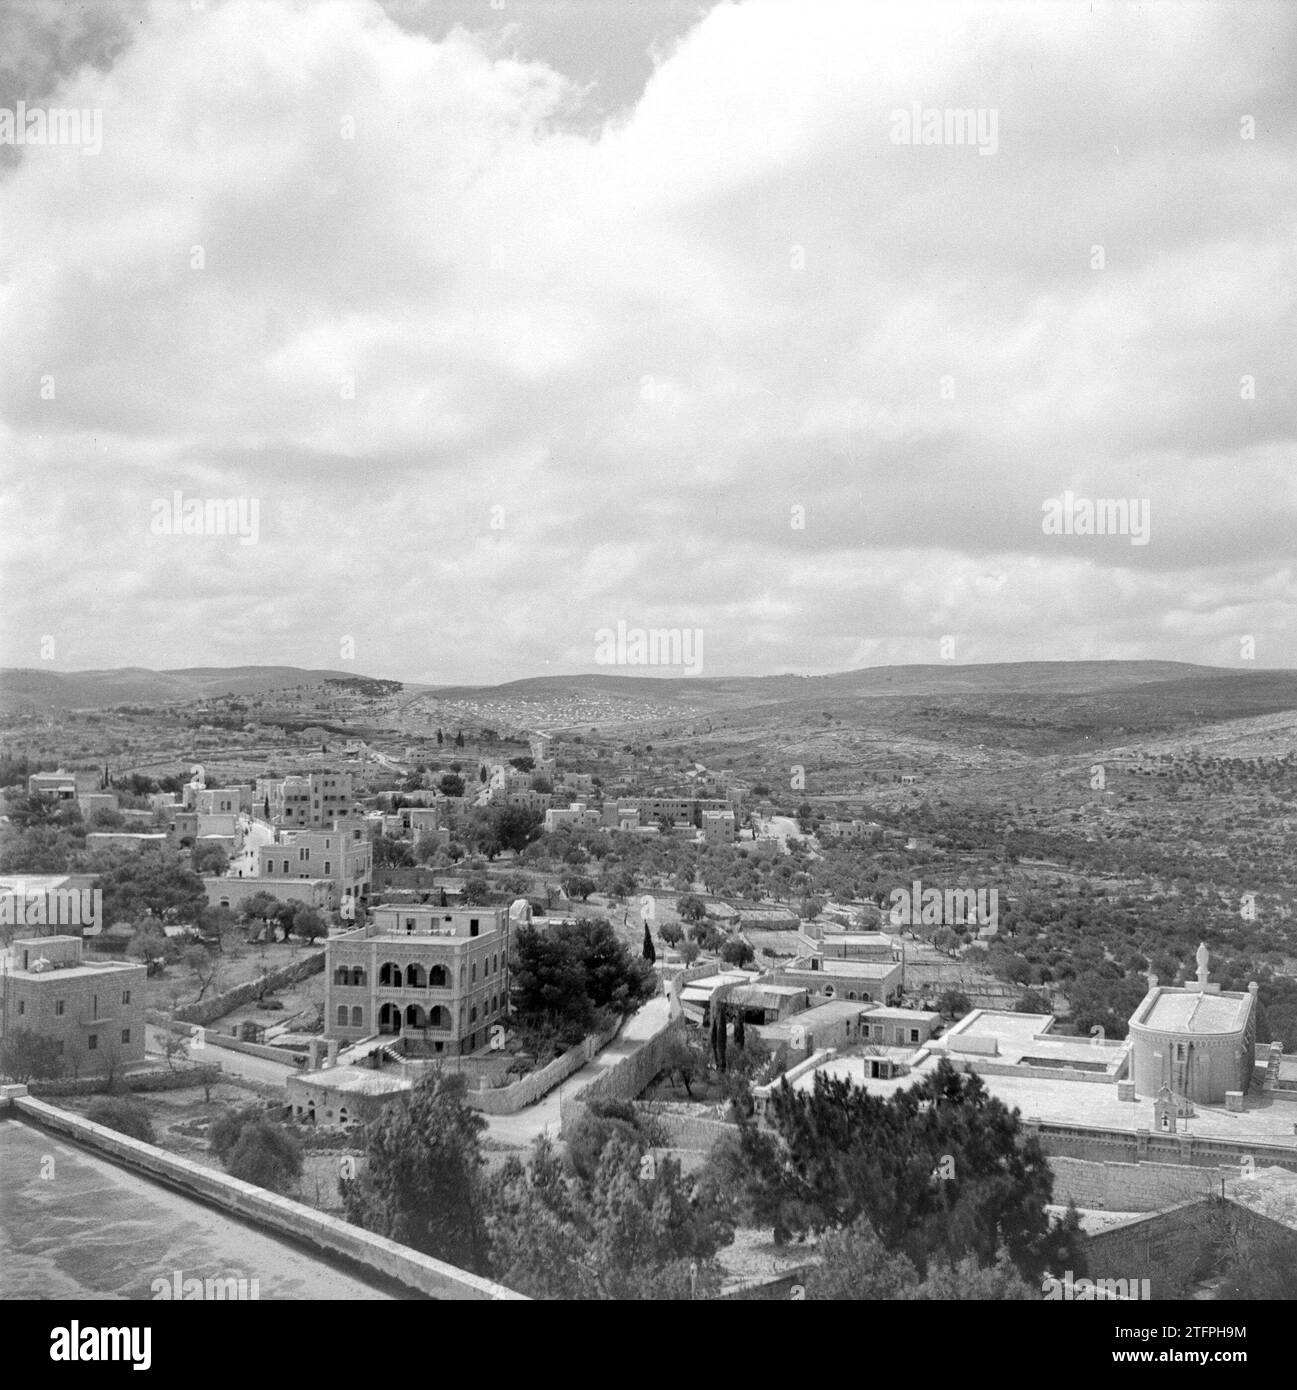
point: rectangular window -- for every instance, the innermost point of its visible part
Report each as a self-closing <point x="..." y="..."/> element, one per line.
<point x="94" y="1006"/>
<point x="22" y="1006"/>
<point x="58" y="1008"/>
<point x="126" y="1035"/>
<point x="126" y="996"/>
<point x="93" y="1042"/>
<point x="914" y="1035"/>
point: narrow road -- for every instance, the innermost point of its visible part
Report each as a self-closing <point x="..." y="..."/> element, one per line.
<point x="231" y="1063"/>
<point x="518" y="1131"/>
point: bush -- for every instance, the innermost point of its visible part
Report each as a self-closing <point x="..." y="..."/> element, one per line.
<point x="126" y="1116"/>
<point x="267" y="1155"/>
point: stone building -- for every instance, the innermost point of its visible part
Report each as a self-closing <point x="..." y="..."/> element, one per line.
<point x="93" y="1009"/>
<point x="432" y="975"/>
<point x="1195" y="1039"/>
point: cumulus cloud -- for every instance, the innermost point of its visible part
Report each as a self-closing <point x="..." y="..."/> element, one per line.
<point x="512" y="339"/>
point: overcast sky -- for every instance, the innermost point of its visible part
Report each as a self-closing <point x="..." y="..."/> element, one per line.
<point x="517" y="323"/>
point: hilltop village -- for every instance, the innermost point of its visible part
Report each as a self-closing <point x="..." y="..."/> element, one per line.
<point x="537" y="961"/>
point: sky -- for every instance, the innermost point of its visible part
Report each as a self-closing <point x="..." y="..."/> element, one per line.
<point x="502" y="327"/>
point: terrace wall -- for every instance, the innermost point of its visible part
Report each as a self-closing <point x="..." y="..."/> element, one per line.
<point x="221" y="1004"/>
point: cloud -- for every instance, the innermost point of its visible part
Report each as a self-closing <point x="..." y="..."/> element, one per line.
<point x="504" y="361"/>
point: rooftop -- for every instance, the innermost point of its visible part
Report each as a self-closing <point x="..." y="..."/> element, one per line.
<point x="847" y="969"/>
<point x="31" y="883"/>
<point x="822" y="1014"/>
<point x="1191" y="1011"/>
<point x="1027" y="1038"/>
<point x="1061" y="1101"/>
<point x="365" y="1081"/>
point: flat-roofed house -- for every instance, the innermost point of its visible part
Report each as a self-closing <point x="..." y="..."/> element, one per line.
<point x="94" y="1010"/>
<point x="437" y="977"/>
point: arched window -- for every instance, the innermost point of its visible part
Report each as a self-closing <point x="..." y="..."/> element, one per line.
<point x="437" y="1017"/>
<point x="357" y="1017"/>
<point x="390" y="975"/>
<point x="342" y="1116"/>
<point x="828" y="991"/>
<point x="438" y="978"/>
<point x="851" y="994"/>
<point x="342" y="1015"/>
<point x="414" y="976"/>
<point x="414" y="1016"/>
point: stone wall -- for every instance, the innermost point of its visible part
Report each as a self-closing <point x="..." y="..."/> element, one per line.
<point x="131" y="1081"/>
<point x="1133" y="1186"/>
<point x="221" y="1004"/>
<point x="1122" y="1146"/>
<point x="1169" y="1248"/>
<point x="508" y="1100"/>
<point x="203" y="1039"/>
<point x="626" y="1079"/>
<point x="686" y="1130"/>
<point x="266" y="1209"/>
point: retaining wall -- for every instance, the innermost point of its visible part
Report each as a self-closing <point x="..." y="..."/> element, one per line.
<point x="211" y="1039"/>
<point x="1133" y="1186"/>
<point x="177" y="1080"/>
<point x="696" y="1132"/>
<point x="226" y="1002"/>
<point x="1142" y="1146"/>
<point x="625" y="1080"/>
<point x="508" y="1100"/>
<point x="1169" y="1248"/>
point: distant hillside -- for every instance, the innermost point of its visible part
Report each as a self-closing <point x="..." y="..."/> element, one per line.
<point x="137" y="685"/>
<point x="1025" y="677"/>
<point x="1213" y="692"/>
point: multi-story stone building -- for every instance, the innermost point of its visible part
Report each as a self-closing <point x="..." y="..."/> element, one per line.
<point x="433" y="975"/>
<point x="315" y="800"/>
<point x="719" y="827"/>
<point x="343" y="854"/>
<point x="576" y="815"/>
<point x="94" y="1010"/>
